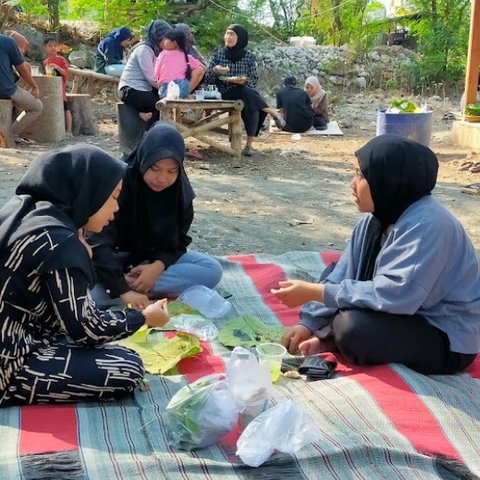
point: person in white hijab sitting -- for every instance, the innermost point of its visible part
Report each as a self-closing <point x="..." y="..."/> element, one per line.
<point x="318" y="96"/>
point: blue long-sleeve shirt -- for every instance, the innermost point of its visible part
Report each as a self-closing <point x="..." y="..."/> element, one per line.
<point x="427" y="265"/>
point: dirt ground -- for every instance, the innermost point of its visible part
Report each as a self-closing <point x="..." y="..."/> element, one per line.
<point x="291" y="195"/>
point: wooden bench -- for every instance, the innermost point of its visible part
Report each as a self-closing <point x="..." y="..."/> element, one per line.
<point x="216" y="115"/>
<point x="88" y="81"/>
<point x="6" y="112"/>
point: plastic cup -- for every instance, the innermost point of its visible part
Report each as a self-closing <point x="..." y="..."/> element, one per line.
<point x="35" y="70"/>
<point x="49" y="70"/>
<point x="271" y="355"/>
<point x="199" y="95"/>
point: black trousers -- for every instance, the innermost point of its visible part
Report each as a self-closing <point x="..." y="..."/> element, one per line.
<point x="252" y="114"/>
<point x="319" y="121"/>
<point x="141" y="101"/>
<point x="373" y="338"/>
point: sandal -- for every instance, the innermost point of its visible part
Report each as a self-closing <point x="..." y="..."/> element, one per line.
<point x="195" y="154"/>
<point x="247" y="152"/>
<point x="465" y="166"/>
<point x="472" y="189"/>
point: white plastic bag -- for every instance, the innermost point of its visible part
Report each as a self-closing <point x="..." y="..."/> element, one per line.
<point x="250" y="384"/>
<point x="200" y="413"/>
<point x="286" y="427"/>
<point x="173" y="91"/>
<point x="207" y="301"/>
<point x="202" y="327"/>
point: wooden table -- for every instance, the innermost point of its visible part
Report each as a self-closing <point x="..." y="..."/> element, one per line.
<point x="216" y="114"/>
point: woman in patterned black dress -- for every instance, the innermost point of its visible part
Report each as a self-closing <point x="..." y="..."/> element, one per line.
<point x="53" y="339"/>
<point x="234" y="72"/>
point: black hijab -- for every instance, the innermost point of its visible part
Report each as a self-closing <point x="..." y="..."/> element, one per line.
<point x="399" y="172"/>
<point x="149" y="221"/>
<point x="155" y="33"/>
<point x="61" y="190"/>
<point x="237" y="52"/>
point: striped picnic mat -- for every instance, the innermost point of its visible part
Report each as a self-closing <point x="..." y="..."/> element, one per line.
<point x="376" y="422"/>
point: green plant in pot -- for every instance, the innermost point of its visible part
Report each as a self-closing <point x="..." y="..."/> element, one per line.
<point x="472" y="112"/>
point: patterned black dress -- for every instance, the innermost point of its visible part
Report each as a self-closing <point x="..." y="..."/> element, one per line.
<point x="53" y="340"/>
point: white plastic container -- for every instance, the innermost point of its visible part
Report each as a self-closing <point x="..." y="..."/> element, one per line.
<point x="207" y="301"/>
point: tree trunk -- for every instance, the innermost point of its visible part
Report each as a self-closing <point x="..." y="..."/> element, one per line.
<point x="83" y="120"/>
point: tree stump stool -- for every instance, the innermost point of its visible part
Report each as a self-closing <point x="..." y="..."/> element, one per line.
<point x="130" y="127"/>
<point x="83" y="120"/>
<point x="50" y="125"/>
<point x="6" y="111"/>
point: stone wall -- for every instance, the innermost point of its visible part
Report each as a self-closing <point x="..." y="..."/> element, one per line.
<point x="336" y="67"/>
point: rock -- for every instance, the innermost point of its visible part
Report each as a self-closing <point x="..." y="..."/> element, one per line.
<point x="82" y="58"/>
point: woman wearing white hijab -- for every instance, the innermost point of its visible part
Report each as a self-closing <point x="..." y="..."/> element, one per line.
<point x="318" y="96"/>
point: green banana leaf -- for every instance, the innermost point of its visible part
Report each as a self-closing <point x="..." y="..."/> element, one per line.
<point x="161" y="356"/>
<point x="249" y="331"/>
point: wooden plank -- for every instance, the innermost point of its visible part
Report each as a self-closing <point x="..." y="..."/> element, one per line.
<point x="76" y="72"/>
<point x="199" y="104"/>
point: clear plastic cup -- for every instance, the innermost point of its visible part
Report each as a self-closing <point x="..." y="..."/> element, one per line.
<point x="271" y="355"/>
<point x="49" y="70"/>
<point x="199" y="95"/>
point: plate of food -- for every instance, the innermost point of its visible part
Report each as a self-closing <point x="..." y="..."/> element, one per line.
<point x="232" y="78"/>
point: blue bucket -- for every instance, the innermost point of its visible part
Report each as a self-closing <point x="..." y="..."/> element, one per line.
<point x="416" y="126"/>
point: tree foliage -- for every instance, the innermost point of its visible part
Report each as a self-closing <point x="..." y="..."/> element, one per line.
<point x="442" y="29"/>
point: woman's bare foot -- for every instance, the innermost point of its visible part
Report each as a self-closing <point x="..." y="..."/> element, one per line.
<point x="145" y="116"/>
<point x="314" y="345"/>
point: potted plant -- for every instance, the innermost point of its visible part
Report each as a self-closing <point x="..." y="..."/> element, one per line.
<point x="472" y="112"/>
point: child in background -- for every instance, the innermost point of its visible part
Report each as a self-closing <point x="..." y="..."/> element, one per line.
<point x="174" y="64"/>
<point x="60" y="67"/>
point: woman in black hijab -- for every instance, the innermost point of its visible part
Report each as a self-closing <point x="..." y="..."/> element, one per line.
<point x="407" y="287"/>
<point x="53" y="346"/>
<point x="234" y="71"/>
<point x="144" y="251"/>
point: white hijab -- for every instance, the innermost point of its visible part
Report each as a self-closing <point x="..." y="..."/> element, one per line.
<point x="318" y="93"/>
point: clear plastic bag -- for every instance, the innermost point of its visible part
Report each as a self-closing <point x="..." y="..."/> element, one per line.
<point x="200" y="413"/>
<point x="250" y="384"/>
<point x="207" y="301"/>
<point x="173" y="91"/>
<point x="202" y="327"/>
<point x="286" y="427"/>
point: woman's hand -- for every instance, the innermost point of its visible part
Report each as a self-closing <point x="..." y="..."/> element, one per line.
<point x="297" y="292"/>
<point x="135" y="299"/>
<point x="294" y="336"/>
<point x="142" y="278"/>
<point x="156" y="314"/>
<point x="219" y="70"/>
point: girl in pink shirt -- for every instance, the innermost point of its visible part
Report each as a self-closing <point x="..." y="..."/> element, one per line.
<point x="174" y="65"/>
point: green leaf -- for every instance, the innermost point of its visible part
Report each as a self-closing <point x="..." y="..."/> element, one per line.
<point x="180" y="308"/>
<point x="163" y="355"/>
<point x="248" y="331"/>
<point x="473" y="109"/>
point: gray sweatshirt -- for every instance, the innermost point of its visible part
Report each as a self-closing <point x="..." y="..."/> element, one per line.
<point x="427" y="265"/>
<point x="139" y="70"/>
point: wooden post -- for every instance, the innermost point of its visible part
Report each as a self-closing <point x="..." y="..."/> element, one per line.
<point x="50" y="125"/>
<point x="473" y="59"/>
<point x="130" y="127"/>
<point x="236" y="134"/>
<point x="83" y="120"/>
<point x="6" y="108"/>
